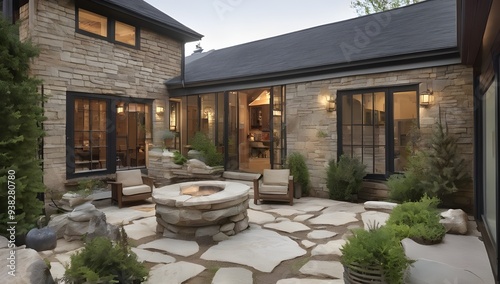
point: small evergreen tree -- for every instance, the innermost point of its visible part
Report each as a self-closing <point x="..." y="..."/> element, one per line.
<point x="296" y="162"/>
<point x="22" y="115"/>
<point x="345" y="177"/>
<point x="447" y="171"/>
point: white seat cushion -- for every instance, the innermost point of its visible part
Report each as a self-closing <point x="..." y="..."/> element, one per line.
<point x="136" y="189"/>
<point x="273" y="189"/>
<point x="240" y="176"/>
<point x="129" y="178"/>
<point x="276" y="177"/>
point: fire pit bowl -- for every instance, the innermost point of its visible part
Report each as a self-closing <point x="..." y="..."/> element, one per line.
<point x="202" y="208"/>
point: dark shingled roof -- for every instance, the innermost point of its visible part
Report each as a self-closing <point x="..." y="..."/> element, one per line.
<point x="413" y="30"/>
<point x="146" y="11"/>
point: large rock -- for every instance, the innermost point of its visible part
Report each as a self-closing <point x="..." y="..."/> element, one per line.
<point x="84" y="212"/>
<point x="41" y="239"/>
<point x="370" y="205"/>
<point x="455" y="221"/>
<point x="59" y="223"/>
<point x="97" y="227"/>
<point x="28" y="267"/>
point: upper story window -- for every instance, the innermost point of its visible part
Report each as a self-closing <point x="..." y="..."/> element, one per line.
<point x="108" y="28"/>
<point x="92" y="23"/>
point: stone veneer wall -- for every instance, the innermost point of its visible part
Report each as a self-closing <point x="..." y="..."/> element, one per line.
<point x="70" y="61"/>
<point x="307" y="115"/>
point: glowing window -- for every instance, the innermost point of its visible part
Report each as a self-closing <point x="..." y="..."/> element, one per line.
<point x="92" y="23"/>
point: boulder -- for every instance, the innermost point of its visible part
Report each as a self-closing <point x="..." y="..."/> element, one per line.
<point x="455" y="221"/>
<point x="84" y="212"/>
<point x="41" y="239"/>
<point x="28" y="267"/>
<point x="97" y="227"/>
<point x="4" y="242"/>
<point x="59" y="223"/>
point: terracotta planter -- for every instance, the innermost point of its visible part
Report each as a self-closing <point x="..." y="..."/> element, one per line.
<point x="356" y="274"/>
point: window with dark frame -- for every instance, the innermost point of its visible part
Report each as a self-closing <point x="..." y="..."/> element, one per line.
<point x="100" y="26"/>
<point x="375" y="126"/>
<point x="97" y="146"/>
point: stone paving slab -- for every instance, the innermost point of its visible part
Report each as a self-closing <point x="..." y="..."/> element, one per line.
<point x="374" y="218"/>
<point x="333" y="269"/>
<point x="151" y="256"/>
<point x="285" y="211"/>
<point x="65" y="258"/>
<point x="258" y="217"/>
<point x="345" y="207"/>
<point x="309" y="281"/>
<point x="335" y="219"/>
<point x="302" y="218"/>
<point x="259" y="248"/>
<point x="321" y="234"/>
<point x="332" y="247"/>
<point x="137" y="231"/>
<point x="307" y="243"/>
<point x="232" y="275"/>
<point x="287" y="226"/>
<point x="425" y="271"/>
<point x="57" y="270"/>
<point x="125" y="215"/>
<point x="65" y="246"/>
<point x="173" y="273"/>
<point x="178" y="247"/>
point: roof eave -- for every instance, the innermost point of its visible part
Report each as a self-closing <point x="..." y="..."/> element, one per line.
<point x="393" y="60"/>
<point x="185" y="36"/>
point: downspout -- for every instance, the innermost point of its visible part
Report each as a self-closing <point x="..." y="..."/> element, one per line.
<point x="8" y="10"/>
<point x="183" y="62"/>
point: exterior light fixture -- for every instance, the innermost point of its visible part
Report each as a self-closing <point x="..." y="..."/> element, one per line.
<point x="119" y="109"/>
<point x="331" y="103"/>
<point x="426" y="98"/>
<point x="160" y="110"/>
<point x="208" y="112"/>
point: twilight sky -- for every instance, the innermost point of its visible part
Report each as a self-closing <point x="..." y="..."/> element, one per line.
<point x="230" y="22"/>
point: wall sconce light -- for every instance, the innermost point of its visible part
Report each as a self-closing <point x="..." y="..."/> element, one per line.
<point x="160" y="110"/>
<point x="119" y="109"/>
<point x="331" y="103"/>
<point x="426" y="98"/>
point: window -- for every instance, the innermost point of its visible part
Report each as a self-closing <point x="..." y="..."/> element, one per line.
<point x="90" y="139"/>
<point x="105" y="133"/>
<point x="108" y="28"/>
<point x="92" y="23"/>
<point x="124" y="33"/>
<point x="374" y="126"/>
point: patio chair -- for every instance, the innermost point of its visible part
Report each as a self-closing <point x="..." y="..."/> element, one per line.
<point x="276" y="185"/>
<point x="130" y="185"/>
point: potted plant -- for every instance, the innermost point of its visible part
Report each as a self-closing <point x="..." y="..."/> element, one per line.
<point x="345" y="178"/>
<point x="296" y="162"/>
<point x="374" y="256"/>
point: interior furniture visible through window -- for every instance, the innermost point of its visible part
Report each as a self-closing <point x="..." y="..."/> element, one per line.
<point x="106" y="133"/>
<point x="375" y="125"/>
<point x="108" y="28"/>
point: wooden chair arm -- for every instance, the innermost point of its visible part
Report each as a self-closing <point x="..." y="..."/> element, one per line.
<point x="149" y="181"/>
<point x="114" y="182"/>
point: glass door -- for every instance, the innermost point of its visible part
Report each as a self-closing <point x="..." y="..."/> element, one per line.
<point x="490" y="157"/>
<point x="277" y="113"/>
<point x="232" y="161"/>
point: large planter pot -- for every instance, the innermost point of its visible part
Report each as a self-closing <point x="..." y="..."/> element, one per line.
<point x="356" y="274"/>
<point x="297" y="190"/>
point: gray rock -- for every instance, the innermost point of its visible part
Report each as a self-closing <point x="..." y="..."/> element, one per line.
<point x="4" y="242"/>
<point x="41" y="239"/>
<point x="58" y="223"/>
<point x="97" y="227"/>
<point x="241" y="225"/>
<point x="455" y="221"/>
<point x="29" y="267"/>
<point x="84" y="212"/>
<point x="379" y="205"/>
<point x="220" y="237"/>
<point x="76" y="230"/>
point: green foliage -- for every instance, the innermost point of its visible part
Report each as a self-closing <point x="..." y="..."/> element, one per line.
<point x="408" y="186"/>
<point x="102" y="261"/>
<point x="22" y="115"/>
<point x="345" y="177"/>
<point x="418" y="221"/>
<point x="321" y="134"/>
<point x="87" y="186"/>
<point x="296" y="162"/>
<point x="206" y="147"/>
<point x="179" y="159"/>
<point x="447" y="171"/>
<point x="378" y="247"/>
<point x="437" y="172"/>
<point x="366" y="7"/>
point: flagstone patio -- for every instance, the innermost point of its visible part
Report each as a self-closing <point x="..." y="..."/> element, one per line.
<point x="284" y="245"/>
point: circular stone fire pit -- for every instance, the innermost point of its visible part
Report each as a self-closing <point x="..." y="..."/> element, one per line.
<point x="202" y="208"/>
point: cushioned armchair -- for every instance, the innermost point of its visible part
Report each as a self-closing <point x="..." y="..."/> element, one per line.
<point x="130" y="186"/>
<point x="274" y="185"/>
